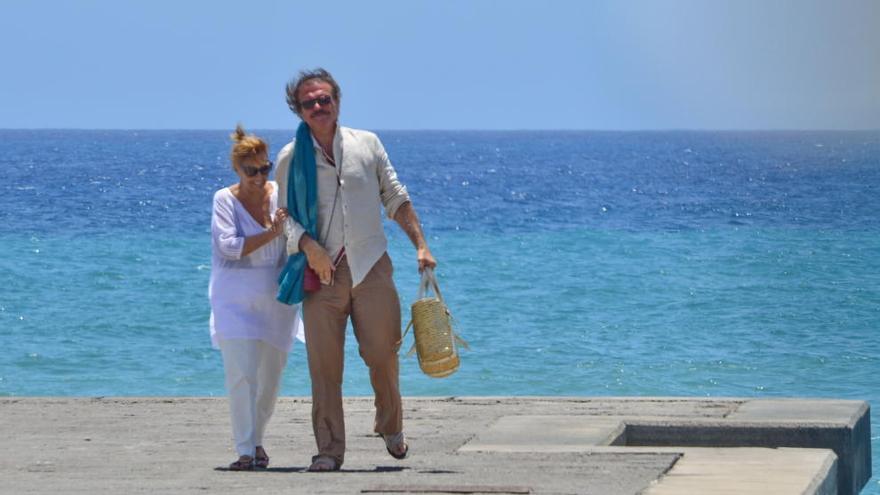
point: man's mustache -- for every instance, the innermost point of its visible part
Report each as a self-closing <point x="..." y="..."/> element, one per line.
<point x="320" y="112"/>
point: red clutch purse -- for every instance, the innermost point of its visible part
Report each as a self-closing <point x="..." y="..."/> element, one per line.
<point x="311" y="282"/>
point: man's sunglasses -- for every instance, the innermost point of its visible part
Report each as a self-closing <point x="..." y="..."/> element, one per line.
<point x="251" y="171"/>
<point x="324" y="100"/>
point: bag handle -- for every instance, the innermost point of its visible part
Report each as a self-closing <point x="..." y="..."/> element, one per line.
<point x="429" y="281"/>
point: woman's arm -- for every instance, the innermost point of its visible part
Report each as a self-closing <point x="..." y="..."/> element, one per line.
<point x="226" y="239"/>
<point x="255" y="242"/>
<point x="224" y="236"/>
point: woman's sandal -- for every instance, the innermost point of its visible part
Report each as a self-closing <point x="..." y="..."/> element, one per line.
<point x="244" y="463"/>
<point x="322" y="463"/>
<point x="261" y="458"/>
<point x="393" y="444"/>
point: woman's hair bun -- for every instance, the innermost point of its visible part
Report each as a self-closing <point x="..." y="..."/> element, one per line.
<point x="239" y="134"/>
<point x="246" y="146"/>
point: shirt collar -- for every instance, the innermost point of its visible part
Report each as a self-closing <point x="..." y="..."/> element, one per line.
<point x="337" y="137"/>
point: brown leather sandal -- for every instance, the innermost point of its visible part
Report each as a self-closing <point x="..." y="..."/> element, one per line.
<point x="394" y="443"/>
<point x="261" y="458"/>
<point x="244" y="463"/>
<point x="324" y="463"/>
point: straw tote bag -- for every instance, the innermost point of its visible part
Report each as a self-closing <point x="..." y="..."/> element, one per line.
<point x="435" y="341"/>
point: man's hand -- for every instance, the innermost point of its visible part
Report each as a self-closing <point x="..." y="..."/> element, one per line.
<point x="425" y="259"/>
<point x="318" y="259"/>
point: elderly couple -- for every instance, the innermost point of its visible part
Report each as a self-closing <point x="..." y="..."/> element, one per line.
<point x="322" y="214"/>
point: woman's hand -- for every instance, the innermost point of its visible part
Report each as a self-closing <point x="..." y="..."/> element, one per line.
<point x="278" y="222"/>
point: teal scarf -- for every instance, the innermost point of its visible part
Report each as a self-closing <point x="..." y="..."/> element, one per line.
<point x="302" y="204"/>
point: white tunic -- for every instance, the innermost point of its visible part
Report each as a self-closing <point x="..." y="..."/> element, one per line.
<point x="242" y="290"/>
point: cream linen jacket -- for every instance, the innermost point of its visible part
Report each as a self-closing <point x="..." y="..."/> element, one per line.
<point x="367" y="181"/>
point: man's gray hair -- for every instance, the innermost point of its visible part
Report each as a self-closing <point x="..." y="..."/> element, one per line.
<point x="304" y="77"/>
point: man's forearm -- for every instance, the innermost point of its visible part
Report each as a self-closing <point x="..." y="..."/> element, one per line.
<point x="307" y="245"/>
<point x="406" y="217"/>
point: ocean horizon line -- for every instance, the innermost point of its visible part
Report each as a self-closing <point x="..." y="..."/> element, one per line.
<point x="427" y="130"/>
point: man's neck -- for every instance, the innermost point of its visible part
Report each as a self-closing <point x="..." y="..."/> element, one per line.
<point x="325" y="137"/>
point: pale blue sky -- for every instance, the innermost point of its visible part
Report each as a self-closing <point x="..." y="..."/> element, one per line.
<point x="452" y="64"/>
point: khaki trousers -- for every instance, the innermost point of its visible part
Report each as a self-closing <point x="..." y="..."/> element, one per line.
<point x="374" y="309"/>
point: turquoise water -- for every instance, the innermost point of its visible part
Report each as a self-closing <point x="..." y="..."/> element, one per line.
<point x="716" y="313"/>
<point x="596" y="264"/>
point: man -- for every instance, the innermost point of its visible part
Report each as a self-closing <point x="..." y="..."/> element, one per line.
<point x="354" y="177"/>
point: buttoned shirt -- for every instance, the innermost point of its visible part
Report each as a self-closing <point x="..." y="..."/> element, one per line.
<point x="365" y="182"/>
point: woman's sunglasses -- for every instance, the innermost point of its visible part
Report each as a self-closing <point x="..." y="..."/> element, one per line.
<point x="251" y="171"/>
<point x="323" y="100"/>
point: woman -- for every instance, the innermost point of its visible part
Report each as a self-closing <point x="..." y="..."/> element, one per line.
<point x="253" y="330"/>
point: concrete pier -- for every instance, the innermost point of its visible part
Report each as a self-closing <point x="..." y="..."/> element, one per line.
<point x="508" y="445"/>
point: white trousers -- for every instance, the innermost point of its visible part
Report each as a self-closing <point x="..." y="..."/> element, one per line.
<point x="253" y="377"/>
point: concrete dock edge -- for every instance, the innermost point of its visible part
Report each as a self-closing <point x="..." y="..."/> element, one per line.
<point x="595" y="445"/>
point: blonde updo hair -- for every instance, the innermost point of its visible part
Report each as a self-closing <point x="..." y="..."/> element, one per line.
<point x="245" y="146"/>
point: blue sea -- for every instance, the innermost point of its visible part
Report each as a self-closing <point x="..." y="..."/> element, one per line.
<point x="703" y="264"/>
